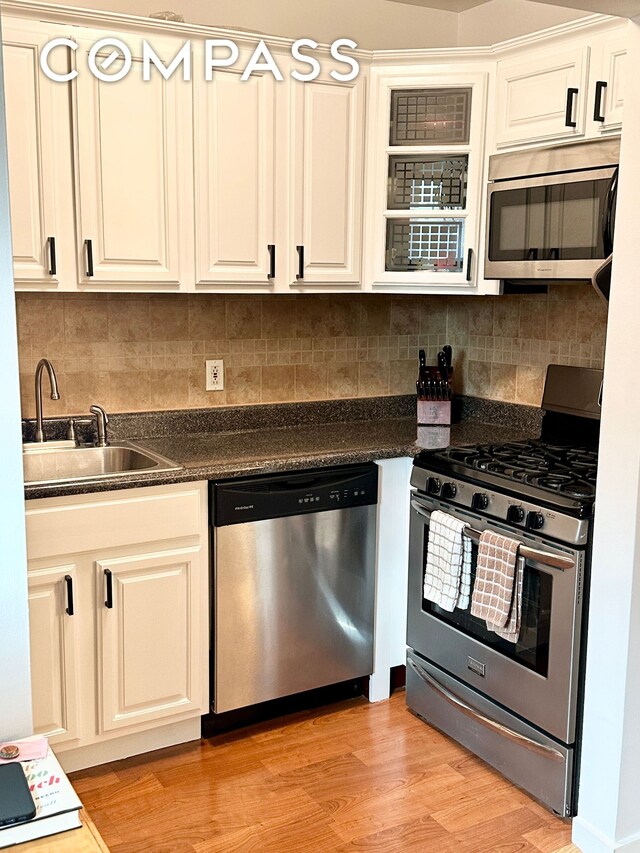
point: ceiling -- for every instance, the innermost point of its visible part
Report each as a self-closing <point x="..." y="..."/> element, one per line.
<point x="447" y="5"/>
<point x="623" y="8"/>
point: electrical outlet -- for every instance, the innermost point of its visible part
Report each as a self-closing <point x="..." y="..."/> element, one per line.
<point x="215" y="375"/>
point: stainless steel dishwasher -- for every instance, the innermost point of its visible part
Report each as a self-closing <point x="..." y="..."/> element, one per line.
<point x="293" y="558"/>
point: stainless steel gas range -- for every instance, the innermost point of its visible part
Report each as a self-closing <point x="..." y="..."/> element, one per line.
<point x="517" y="706"/>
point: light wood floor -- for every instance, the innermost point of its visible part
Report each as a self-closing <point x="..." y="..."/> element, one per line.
<point x="350" y="777"/>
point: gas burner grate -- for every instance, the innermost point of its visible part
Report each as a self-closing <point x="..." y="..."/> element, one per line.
<point x="561" y="469"/>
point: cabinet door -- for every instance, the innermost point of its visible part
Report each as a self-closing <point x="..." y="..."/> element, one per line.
<point x="235" y="172"/>
<point x="52" y="624"/>
<point x="614" y="68"/>
<point x="326" y="182"/>
<point x="32" y="142"/>
<point x="426" y="181"/>
<point x="149" y="638"/>
<point x="542" y="97"/>
<point x="132" y="150"/>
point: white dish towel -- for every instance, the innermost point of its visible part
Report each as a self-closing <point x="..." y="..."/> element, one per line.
<point x="447" y="577"/>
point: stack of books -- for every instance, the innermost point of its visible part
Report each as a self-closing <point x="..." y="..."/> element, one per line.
<point x="57" y="804"/>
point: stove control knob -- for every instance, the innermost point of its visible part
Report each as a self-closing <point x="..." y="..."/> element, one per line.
<point x="535" y="520"/>
<point x="449" y="490"/>
<point x="515" y="514"/>
<point x="433" y="485"/>
<point x="479" y="500"/>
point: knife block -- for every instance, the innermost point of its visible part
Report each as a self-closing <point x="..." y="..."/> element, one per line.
<point x="434" y="412"/>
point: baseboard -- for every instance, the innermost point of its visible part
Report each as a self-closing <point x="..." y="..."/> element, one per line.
<point x="128" y="745"/>
<point x="590" y="840"/>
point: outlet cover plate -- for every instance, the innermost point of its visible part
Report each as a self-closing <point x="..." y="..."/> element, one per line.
<point x="214" y="374"/>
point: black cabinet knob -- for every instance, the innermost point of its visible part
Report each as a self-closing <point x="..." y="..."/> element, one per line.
<point x="449" y="490"/>
<point x="479" y="500"/>
<point x="433" y="485"/>
<point x="535" y="520"/>
<point x="515" y="514"/>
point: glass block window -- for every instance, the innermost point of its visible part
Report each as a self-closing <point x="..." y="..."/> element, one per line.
<point x="435" y="245"/>
<point x="424" y="181"/>
<point x="428" y="116"/>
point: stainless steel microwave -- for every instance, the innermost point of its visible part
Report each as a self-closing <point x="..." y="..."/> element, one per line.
<point x="551" y="212"/>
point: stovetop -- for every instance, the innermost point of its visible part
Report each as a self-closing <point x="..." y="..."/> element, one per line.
<point x="539" y="485"/>
<point x="568" y="470"/>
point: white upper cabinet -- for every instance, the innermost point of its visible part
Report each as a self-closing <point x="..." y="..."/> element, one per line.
<point x="326" y="182"/>
<point x="574" y="91"/>
<point x="37" y="121"/>
<point x="543" y="96"/>
<point x="426" y="179"/>
<point x="234" y="160"/>
<point x="133" y="165"/>
<point x="610" y="84"/>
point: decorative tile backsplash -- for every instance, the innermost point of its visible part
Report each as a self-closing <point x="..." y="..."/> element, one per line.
<point x="132" y="352"/>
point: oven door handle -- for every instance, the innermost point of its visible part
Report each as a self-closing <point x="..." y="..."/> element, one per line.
<point x="452" y="699"/>
<point x="556" y="561"/>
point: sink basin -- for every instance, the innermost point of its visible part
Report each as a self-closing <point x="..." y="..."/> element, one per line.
<point x="62" y="462"/>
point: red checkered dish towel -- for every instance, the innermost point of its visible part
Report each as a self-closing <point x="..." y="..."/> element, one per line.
<point x="497" y="592"/>
<point x="447" y="576"/>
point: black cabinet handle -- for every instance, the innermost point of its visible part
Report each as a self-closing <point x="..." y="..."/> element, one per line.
<point x="601" y="85"/>
<point x="53" y="266"/>
<point x="69" y="582"/>
<point x="272" y="261"/>
<point x="300" y="273"/>
<point x="89" y="247"/>
<point x="109" y="600"/>
<point x="568" y="116"/>
<point x="469" y="260"/>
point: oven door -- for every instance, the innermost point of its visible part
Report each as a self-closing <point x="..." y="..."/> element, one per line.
<point x="551" y="226"/>
<point x="536" y="678"/>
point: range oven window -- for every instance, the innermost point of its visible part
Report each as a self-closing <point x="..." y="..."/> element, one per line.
<point x="532" y="649"/>
<point x="559" y="222"/>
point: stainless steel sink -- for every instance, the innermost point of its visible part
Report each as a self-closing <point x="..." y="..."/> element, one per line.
<point x="60" y="462"/>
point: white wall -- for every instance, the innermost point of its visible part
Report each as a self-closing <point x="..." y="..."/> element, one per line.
<point x="15" y="687"/>
<point x="504" y="19"/>
<point x="371" y="23"/>
<point x="609" y="810"/>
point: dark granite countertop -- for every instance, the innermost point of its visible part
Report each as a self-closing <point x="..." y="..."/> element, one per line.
<point x="314" y="437"/>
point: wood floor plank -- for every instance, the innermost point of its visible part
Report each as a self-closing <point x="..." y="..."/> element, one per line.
<point x="415" y="836"/>
<point x="549" y="836"/>
<point x="351" y="777"/>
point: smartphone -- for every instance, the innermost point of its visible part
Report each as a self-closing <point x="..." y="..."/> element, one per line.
<point x="16" y="802"/>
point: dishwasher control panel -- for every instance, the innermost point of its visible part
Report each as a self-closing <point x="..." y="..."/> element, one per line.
<point x="283" y="495"/>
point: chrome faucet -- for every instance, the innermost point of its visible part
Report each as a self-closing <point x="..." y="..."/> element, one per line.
<point x="55" y="394"/>
<point x="101" y="423"/>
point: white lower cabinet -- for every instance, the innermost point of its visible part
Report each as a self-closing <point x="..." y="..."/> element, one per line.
<point x="118" y="594"/>
<point x="147" y="642"/>
<point x="54" y="652"/>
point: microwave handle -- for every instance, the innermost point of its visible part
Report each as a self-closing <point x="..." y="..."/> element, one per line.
<point x="607" y="231"/>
